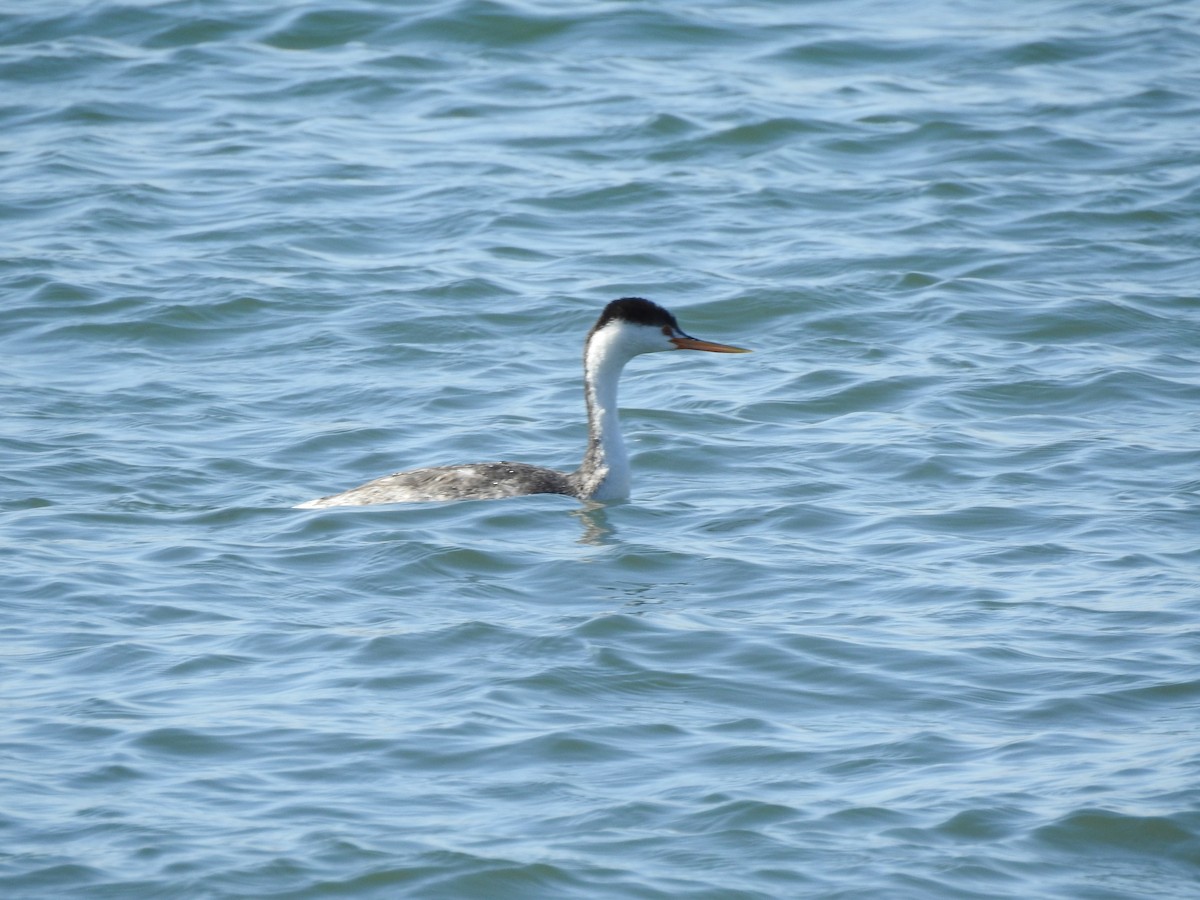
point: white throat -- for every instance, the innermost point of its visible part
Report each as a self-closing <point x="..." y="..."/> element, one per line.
<point x="605" y="473"/>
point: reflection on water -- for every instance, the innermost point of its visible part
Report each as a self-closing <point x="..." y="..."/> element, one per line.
<point x="597" y="529"/>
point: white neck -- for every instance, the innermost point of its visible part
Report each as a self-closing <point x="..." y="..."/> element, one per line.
<point x="604" y="474"/>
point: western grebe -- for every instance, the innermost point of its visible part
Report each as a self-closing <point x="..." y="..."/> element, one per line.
<point x="627" y="327"/>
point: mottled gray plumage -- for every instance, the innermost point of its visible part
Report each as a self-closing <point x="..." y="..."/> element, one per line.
<point x="474" y="481"/>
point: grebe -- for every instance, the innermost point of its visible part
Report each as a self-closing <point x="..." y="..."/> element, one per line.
<point x="627" y="327"/>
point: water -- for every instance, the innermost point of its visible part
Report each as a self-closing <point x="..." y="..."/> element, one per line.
<point x="905" y="604"/>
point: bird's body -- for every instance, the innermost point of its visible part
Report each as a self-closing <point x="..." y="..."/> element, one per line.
<point x="474" y="481"/>
<point x="627" y="327"/>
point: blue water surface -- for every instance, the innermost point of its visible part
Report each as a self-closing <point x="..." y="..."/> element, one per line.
<point x="904" y="604"/>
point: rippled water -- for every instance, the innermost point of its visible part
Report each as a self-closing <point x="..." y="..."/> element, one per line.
<point x="905" y="604"/>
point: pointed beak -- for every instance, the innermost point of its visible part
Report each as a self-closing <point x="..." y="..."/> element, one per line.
<point x="683" y="342"/>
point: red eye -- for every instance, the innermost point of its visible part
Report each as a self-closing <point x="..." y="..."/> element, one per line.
<point x="667" y="330"/>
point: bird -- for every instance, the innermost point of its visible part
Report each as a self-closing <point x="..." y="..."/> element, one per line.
<point x="627" y="327"/>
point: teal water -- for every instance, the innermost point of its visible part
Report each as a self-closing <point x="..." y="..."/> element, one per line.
<point x="904" y="604"/>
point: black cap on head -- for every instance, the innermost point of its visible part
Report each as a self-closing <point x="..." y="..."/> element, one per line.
<point x="638" y="312"/>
